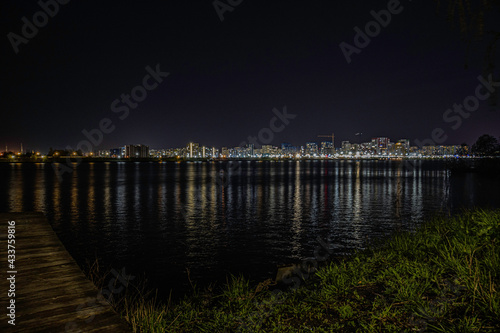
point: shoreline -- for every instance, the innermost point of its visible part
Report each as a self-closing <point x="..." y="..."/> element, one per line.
<point x="163" y="160"/>
<point x="443" y="276"/>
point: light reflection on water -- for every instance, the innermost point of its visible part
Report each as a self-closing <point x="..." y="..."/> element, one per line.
<point x="163" y="218"/>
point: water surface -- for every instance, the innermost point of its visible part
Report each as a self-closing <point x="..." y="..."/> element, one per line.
<point x="160" y="219"/>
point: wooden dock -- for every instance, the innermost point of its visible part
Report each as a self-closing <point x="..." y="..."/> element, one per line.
<point x="51" y="292"/>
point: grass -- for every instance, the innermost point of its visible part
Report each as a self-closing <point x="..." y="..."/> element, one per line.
<point x="441" y="278"/>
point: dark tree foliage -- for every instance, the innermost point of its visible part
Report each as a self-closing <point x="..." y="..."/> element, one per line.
<point x="477" y="21"/>
<point x="61" y="152"/>
<point x="486" y="145"/>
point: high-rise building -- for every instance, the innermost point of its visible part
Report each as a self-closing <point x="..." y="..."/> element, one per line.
<point x="267" y="150"/>
<point x="215" y="152"/>
<point x="346" y="147"/>
<point x="288" y="150"/>
<point x="451" y="150"/>
<point x="312" y="148"/>
<point x="193" y="150"/>
<point x="136" y="151"/>
<point x="116" y="152"/>
<point x="400" y="148"/>
<point x="381" y="142"/>
<point x="405" y="143"/>
<point x="251" y="149"/>
<point x="240" y="152"/>
<point x="428" y="150"/>
<point x="366" y="148"/>
<point x="327" y="148"/>
<point x="381" y="145"/>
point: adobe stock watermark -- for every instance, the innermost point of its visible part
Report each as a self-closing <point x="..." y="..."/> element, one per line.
<point x="29" y="30"/>
<point x="372" y="29"/>
<point x="120" y="106"/>
<point x="459" y="112"/>
<point x="265" y="136"/>
<point x="462" y="111"/>
<point x="221" y="7"/>
<point x="103" y="299"/>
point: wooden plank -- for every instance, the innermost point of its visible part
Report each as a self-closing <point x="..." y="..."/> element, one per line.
<point x="33" y="266"/>
<point x="40" y="304"/>
<point x="52" y="293"/>
<point x="36" y="291"/>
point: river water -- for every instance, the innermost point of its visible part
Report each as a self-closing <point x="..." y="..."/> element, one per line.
<point x="159" y="220"/>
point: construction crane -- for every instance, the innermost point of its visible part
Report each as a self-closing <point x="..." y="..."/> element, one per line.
<point x="329" y="136"/>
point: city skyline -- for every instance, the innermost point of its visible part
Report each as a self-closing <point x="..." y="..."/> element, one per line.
<point x="177" y="72"/>
<point x="376" y="147"/>
<point x="231" y="165"/>
<point x="22" y="147"/>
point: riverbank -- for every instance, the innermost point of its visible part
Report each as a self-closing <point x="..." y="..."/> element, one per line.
<point x="444" y="277"/>
<point x="453" y="160"/>
<point x="490" y="166"/>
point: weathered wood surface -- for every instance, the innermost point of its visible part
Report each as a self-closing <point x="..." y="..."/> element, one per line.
<point x="52" y="293"/>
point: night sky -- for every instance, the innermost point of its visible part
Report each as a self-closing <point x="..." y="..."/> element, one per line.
<point x="225" y="77"/>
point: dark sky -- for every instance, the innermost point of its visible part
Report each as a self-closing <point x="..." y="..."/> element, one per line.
<point x="227" y="76"/>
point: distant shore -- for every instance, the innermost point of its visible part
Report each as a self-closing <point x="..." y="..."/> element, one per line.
<point x="174" y="159"/>
<point x="486" y="165"/>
